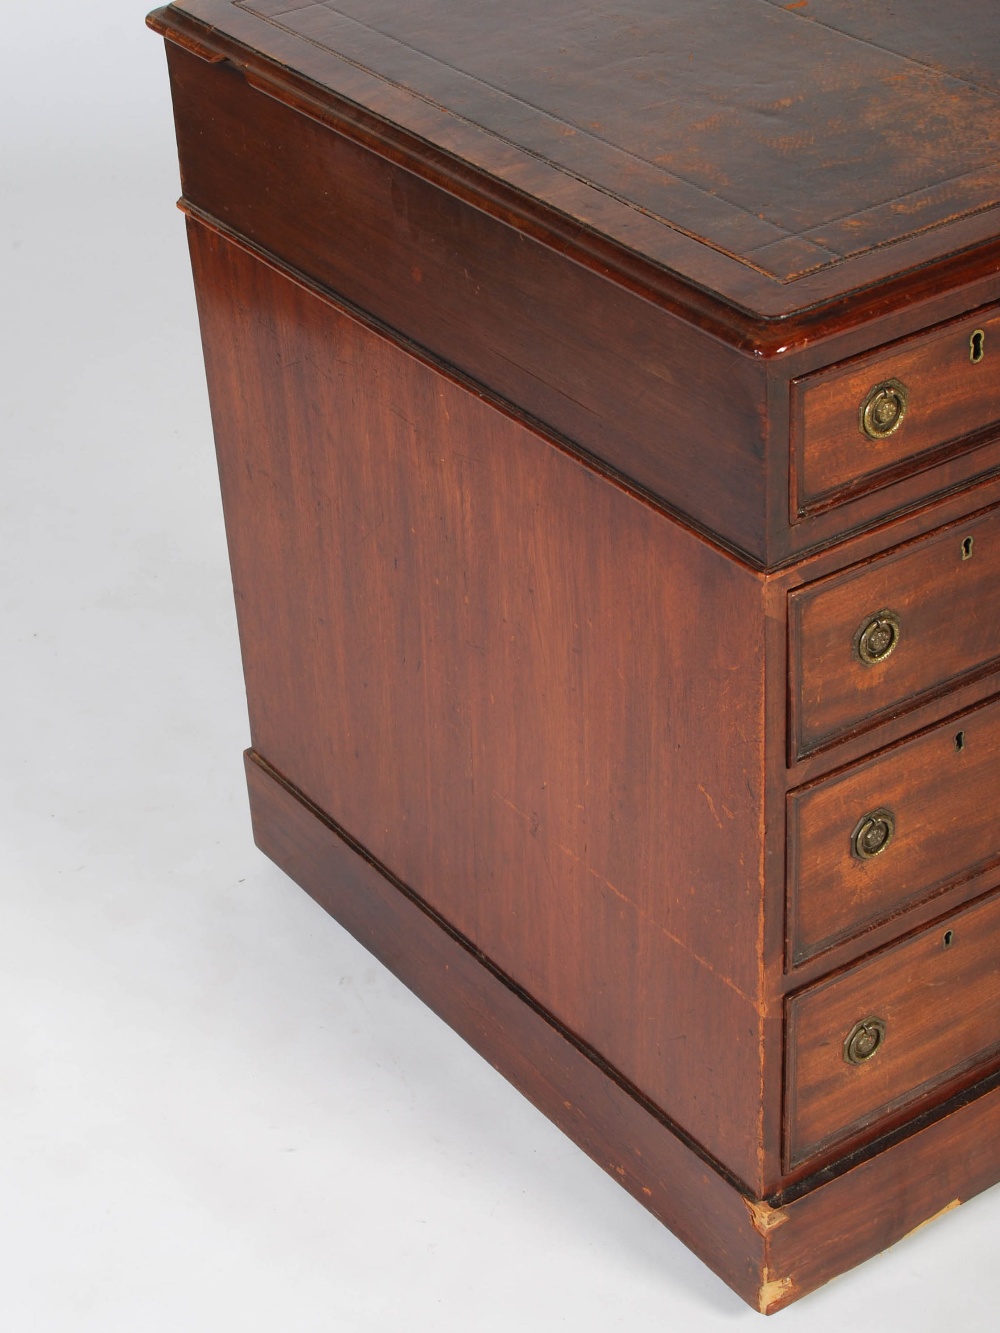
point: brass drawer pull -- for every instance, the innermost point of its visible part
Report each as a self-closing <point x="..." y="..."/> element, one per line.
<point x="864" y="1041"/>
<point x="877" y="637"/>
<point x="873" y="834"/>
<point x="882" y="409"/>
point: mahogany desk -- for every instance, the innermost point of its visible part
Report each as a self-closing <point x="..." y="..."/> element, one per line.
<point x="608" y="418"/>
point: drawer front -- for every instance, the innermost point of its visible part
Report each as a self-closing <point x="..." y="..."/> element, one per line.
<point x="937" y="999"/>
<point x="892" y="830"/>
<point x="869" y="421"/>
<point x="865" y="643"/>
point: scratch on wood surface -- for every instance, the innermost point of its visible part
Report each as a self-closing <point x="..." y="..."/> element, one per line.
<point x="534" y="825"/>
<point x="948" y="1208"/>
<point x="765" y="1218"/>
<point x="711" y="804"/>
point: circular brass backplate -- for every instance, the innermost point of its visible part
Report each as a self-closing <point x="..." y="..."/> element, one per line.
<point x="877" y="637"/>
<point x="873" y="834"/>
<point x="864" y="1041"/>
<point x="882" y="409"/>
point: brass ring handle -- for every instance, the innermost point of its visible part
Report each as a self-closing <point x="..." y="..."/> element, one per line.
<point x="873" y="834"/>
<point x="864" y="1041"/>
<point x="882" y="409"/>
<point x="877" y="637"/>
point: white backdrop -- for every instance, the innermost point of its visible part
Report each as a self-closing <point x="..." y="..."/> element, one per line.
<point x="217" y="1112"/>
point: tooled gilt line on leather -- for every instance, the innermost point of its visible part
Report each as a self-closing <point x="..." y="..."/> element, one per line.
<point x="917" y="231"/>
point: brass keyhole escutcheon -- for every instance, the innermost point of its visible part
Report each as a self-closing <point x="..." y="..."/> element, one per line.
<point x="873" y="834"/>
<point x="883" y="409"/>
<point x="877" y="637"/>
<point x="977" y="347"/>
<point x="864" y="1041"/>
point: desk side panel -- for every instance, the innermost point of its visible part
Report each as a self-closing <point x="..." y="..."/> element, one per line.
<point x="534" y="698"/>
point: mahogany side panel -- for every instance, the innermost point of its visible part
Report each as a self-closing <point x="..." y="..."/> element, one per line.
<point x="670" y="407"/>
<point x="490" y="665"/>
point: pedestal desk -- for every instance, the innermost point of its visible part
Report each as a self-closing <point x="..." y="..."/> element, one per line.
<point x="608" y="417"/>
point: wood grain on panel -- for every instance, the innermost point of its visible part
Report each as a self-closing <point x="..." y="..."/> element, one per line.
<point x="490" y="666"/>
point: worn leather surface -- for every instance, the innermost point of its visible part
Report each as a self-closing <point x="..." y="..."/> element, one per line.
<point x="787" y="137"/>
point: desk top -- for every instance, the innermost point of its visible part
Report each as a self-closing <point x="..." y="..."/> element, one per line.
<point x="778" y="156"/>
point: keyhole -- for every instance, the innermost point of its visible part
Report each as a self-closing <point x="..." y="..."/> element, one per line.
<point x="967" y="546"/>
<point x="949" y="939"/>
<point x="960" y="741"/>
<point x="977" y="346"/>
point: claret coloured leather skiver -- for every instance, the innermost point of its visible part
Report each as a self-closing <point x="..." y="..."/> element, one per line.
<point x="607" y="401"/>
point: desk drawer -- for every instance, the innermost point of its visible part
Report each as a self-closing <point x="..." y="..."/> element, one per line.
<point x="892" y="830"/>
<point x="935" y="1000"/>
<point x="871" y="641"/>
<point x="871" y="420"/>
